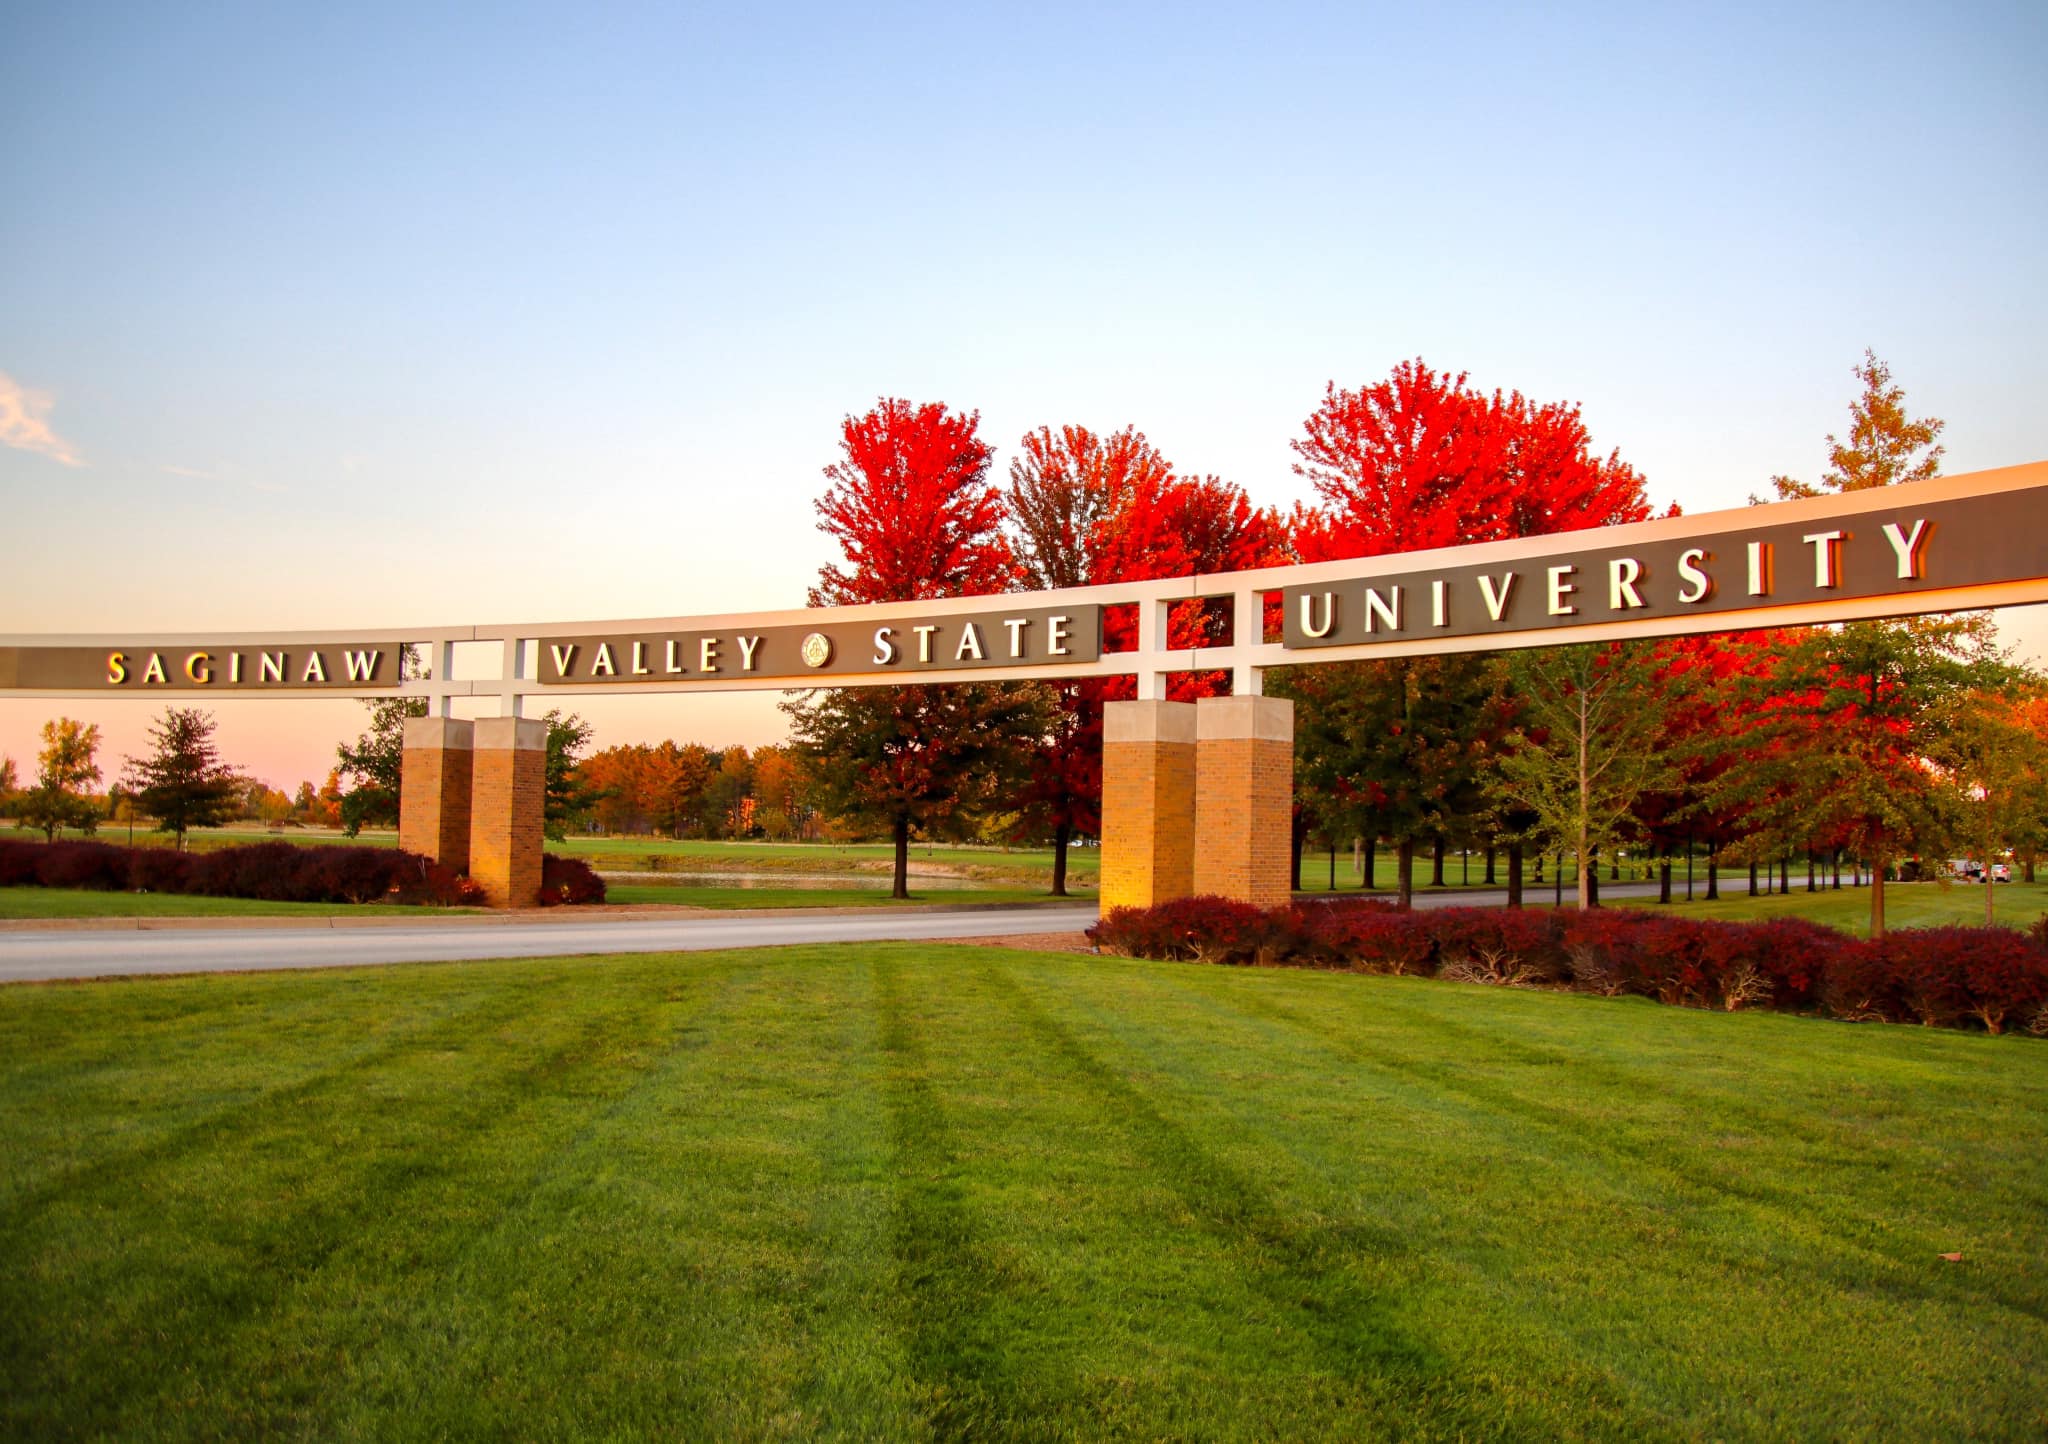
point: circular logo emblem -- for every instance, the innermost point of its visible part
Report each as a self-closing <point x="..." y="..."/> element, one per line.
<point x="817" y="649"/>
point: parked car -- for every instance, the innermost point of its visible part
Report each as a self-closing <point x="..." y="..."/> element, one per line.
<point x="2001" y="872"/>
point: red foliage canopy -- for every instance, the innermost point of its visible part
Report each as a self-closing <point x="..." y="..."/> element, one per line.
<point x="911" y="505"/>
<point x="1422" y="460"/>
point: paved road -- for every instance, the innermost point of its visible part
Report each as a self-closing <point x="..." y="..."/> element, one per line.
<point x="31" y="955"/>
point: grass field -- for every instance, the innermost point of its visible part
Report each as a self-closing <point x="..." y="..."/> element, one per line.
<point x="916" y="1192"/>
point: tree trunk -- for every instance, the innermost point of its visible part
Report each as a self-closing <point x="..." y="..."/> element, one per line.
<point x="900" y="887"/>
<point x="1989" y="890"/>
<point x="1812" y="881"/>
<point x="1837" y="860"/>
<point x="1536" y="876"/>
<point x="1294" y="843"/>
<point x="1436" y="861"/>
<point x="1061" y="835"/>
<point x="1514" y="874"/>
<point x="1404" y="871"/>
<point x="1713" y="878"/>
<point x="1333" y="867"/>
<point x="1489" y="865"/>
<point x="1589" y="878"/>
<point x="1664" y="880"/>
<point x="1614" y="868"/>
<point x="1557" y="879"/>
<point x="1877" y="887"/>
<point x="1372" y="860"/>
<point x="1784" y="876"/>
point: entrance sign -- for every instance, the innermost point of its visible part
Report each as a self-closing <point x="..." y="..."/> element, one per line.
<point x="823" y="652"/>
<point x="350" y="667"/>
<point x="1678" y="569"/>
<point x="1193" y="794"/>
<point x="1976" y="540"/>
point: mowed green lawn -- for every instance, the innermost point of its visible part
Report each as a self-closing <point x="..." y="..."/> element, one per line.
<point x="921" y="1192"/>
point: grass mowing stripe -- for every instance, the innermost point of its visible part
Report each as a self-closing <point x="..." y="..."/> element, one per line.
<point x="947" y="1274"/>
<point x="1663" y="1105"/>
<point x="1303" y="1269"/>
<point x="1415" y="1387"/>
<point x="114" y="1156"/>
<point x="1779" y="1282"/>
<point x="279" y="1211"/>
<point x="1858" y="1264"/>
<point x="502" y="1319"/>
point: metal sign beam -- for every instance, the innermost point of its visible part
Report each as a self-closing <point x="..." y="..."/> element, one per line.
<point x="1953" y="543"/>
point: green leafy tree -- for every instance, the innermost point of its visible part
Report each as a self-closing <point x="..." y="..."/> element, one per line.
<point x="182" y="782"/>
<point x="870" y="757"/>
<point x="1846" y="728"/>
<point x="1396" y="747"/>
<point x="64" y="769"/>
<point x="1586" y="747"/>
<point x="375" y="765"/>
<point x="1996" y="762"/>
<point x="570" y="797"/>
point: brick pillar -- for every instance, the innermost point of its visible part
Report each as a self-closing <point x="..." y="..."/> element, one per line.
<point x="1244" y="797"/>
<point x="433" y="799"/>
<point x="1148" y="803"/>
<point x="508" y="799"/>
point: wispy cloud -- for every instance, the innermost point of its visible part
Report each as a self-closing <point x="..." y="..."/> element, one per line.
<point x="25" y="426"/>
<point x="193" y="473"/>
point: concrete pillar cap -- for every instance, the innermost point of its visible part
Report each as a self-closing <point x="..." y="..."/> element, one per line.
<point x="1267" y="719"/>
<point x="1148" y="722"/>
<point x="512" y="734"/>
<point x="444" y="733"/>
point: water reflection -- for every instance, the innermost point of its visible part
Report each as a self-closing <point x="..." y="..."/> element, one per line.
<point x="839" y="881"/>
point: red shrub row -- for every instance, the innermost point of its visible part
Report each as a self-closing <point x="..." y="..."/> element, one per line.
<point x="1990" y="977"/>
<point x="271" y="871"/>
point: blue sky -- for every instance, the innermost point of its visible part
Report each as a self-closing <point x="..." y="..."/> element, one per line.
<point x="348" y="315"/>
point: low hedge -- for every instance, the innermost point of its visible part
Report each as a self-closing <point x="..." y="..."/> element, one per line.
<point x="274" y="872"/>
<point x="1990" y="978"/>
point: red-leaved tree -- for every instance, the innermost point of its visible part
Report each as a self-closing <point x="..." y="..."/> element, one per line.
<point x="916" y="517"/>
<point x="912" y="508"/>
<point x="1422" y="460"/>
<point x="1418" y="461"/>
<point x="1088" y="509"/>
